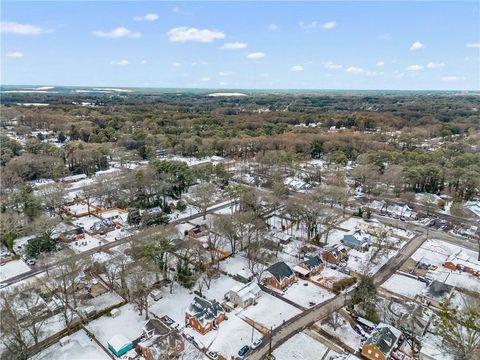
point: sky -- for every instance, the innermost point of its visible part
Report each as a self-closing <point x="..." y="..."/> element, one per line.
<point x="235" y="45"/>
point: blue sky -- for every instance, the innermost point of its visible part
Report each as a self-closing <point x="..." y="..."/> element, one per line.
<point x="302" y="45"/>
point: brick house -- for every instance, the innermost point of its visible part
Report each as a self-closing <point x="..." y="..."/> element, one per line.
<point x="160" y="342"/>
<point x="382" y="341"/>
<point x="307" y="268"/>
<point x="279" y="275"/>
<point x="197" y="231"/>
<point x="203" y="315"/>
<point x="335" y="254"/>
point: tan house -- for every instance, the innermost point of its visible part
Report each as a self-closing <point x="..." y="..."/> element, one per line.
<point x="203" y="315"/>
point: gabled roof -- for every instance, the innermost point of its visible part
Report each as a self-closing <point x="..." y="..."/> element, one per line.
<point x="156" y="327"/>
<point x="312" y="262"/>
<point x="204" y="310"/>
<point x="118" y="342"/>
<point x="280" y="270"/>
<point x="384" y="337"/>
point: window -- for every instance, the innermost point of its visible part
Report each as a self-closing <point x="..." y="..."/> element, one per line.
<point x="369" y="351"/>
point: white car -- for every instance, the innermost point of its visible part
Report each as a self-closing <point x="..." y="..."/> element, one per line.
<point x="256" y="344"/>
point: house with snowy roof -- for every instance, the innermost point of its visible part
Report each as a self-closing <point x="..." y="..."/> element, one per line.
<point x="335" y="254"/>
<point x="358" y="240"/>
<point x="279" y="275"/>
<point x="309" y="267"/>
<point x="204" y="315"/>
<point x="382" y="341"/>
<point x="160" y="341"/>
<point x="245" y="295"/>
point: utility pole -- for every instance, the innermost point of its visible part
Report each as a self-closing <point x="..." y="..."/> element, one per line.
<point x="270" y="344"/>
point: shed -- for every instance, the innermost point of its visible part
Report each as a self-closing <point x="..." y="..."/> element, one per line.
<point x="119" y="345"/>
<point x="115" y="312"/>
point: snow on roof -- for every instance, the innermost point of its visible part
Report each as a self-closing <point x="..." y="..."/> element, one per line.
<point x="301" y="270"/>
<point x="244" y="291"/>
<point x="118" y="342"/>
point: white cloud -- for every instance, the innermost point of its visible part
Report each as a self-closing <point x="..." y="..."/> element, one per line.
<point x="272" y="27"/>
<point x="380" y="63"/>
<point x="434" y="65"/>
<point x="122" y="62"/>
<point x="374" y="73"/>
<point x="234" y="45"/>
<point x="256" y="55"/>
<point x="143" y="62"/>
<point x="22" y="29"/>
<point x="414" y="67"/>
<point x="223" y="83"/>
<point x="15" y="54"/>
<point x="354" y="70"/>
<point x="329" y="25"/>
<point x="307" y="26"/>
<point x="297" y="68"/>
<point x="176" y="64"/>
<point x="452" y="78"/>
<point x="118" y="33"/>
<point x="331" y="65"/>
<point x="416" y="45"/>
<point x="226" y="73"/>
<point x="205" y="79"/>
<point x="473" y="45"/>
<point x="148" y="17"/>
<point x="183" y="34"/>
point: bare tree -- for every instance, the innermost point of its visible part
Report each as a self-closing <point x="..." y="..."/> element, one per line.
<point x="53" y="198"/>
<point x="335" y="321"/>
<point x="202" y="197"/>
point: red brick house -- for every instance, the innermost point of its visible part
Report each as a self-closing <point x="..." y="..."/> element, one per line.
<point x="335" y="254"/>
<point x="307" y="268"/>
<point x="279" y="276"/>
<point x="197" y="231"/>
<point x="203" y="315"/>
<point x="382" y="341"/>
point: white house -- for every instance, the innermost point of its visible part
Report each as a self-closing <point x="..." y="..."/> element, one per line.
<point x="245" y="295"/>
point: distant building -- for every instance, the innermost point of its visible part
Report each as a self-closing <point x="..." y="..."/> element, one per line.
<point x="335" y="254"/>
<point x="382" y="341"/>
<point x="307" y="268"/>
<point x="279" y="275"/>
<point x="203" y="315"/>
<point x="359" y="240"/>
<point x="245" y="295"/>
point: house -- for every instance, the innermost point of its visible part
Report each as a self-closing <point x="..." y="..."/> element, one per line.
<point x="307" y="268"/>
<point x="245" y="295"/>
<point x="102" y="226"/>
<point x="359" y="240"/>
<point x="160" y="342"/>
<point x="381" y="343"/>
<point x="119" y="345"/>
<point x="461" y="261"/>
<point x="335" y="254"/>
<point x="197" y="231"/>
<point x="435" y="293"/>
<point x="203" y="314"/>
<point x="279" y="275"/>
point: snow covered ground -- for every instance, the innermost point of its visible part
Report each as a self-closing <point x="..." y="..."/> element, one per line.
<point x="302" y="347"/>
<point x="270" y="311"/>
<point x="86" y="221"/>
<point x="12" y="269"/>
<point x="128" y="323"/>
<point x="306" y="294"/>
<point x="235" y="264"/>
<point x="219" y="287"/>
<point x="173" y="305"/>
<point x="404" y="285"/>
<point x="344" y="332"/>
<point x="89" y="242"/>
<point x="80" y="347"/>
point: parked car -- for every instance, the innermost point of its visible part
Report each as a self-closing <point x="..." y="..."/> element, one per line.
<point x="243" y="351"/>
<point x="256" y="343"/>
<point x="212" y="355"/>
<point x="31" y="262"/>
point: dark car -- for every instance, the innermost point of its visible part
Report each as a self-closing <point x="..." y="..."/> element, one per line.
<point x="243" y="351"/>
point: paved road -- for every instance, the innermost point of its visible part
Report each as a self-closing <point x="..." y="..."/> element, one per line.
<point x="86" y="254"/>
<point x="293" y="326"/>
